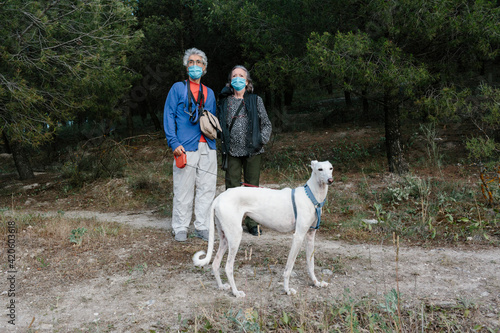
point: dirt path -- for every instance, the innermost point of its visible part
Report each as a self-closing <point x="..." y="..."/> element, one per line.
<point x="134" y="219"/>
<point x="161" y="296"/>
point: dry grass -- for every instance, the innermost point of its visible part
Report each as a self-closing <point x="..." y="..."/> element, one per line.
<point x="106" y="247"/>
<point x="454" y="207"/>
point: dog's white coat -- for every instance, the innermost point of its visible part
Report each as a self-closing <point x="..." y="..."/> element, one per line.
<point x="272" y="209"/>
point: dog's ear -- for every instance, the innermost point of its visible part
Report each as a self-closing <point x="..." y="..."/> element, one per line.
<point x="313" y="163"/>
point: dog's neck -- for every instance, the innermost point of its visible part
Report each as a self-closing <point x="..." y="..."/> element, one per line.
<point x="319" y="190"/>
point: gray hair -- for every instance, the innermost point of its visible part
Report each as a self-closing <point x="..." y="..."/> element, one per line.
<point x="249" y="87"/>
<point x="195" y="51"/>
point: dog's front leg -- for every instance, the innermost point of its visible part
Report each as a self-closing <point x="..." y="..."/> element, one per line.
<point x="298" y="238"/>
<point x="310" y="258"/>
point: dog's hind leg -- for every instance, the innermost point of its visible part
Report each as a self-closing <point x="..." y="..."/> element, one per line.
<point x="218" y="259"/>
<point x="310" y="258"/>
<point x="234" y="244"/>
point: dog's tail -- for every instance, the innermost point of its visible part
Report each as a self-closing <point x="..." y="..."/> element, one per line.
<point x="211" y="235"/>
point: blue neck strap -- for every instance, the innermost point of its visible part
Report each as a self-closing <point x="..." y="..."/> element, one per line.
<point x="193" y="115"/>
<point x="315" y="202"/>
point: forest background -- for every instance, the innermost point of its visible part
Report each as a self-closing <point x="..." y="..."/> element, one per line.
<point x="93" y="66"/>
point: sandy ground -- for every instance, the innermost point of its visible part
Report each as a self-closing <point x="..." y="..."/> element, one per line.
<point x="160" y="297"/>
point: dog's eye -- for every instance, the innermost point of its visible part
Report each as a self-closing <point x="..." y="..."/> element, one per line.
<point x="320" y="169"/>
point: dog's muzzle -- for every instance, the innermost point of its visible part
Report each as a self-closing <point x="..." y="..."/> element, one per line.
<point x="330" y="181"/>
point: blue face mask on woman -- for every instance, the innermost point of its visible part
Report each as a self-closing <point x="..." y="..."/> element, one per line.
<point x="195" y="72"/>
<point x="238" y="83"/>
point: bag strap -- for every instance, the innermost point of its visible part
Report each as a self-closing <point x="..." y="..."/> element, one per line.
<point x="212" y="119"/>
<point x="236" y="115"/>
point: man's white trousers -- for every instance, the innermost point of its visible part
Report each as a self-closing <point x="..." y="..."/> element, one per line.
<point x="195" y="182"/>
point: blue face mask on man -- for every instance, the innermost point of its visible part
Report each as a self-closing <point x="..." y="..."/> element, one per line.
<point x="195" y="72"/>
<point x="238" y="83"/>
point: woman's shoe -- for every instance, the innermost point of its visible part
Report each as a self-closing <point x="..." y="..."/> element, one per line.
<point x="256" y="231"/>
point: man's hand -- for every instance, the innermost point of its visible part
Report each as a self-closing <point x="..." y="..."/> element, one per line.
<point x="179" y="151"/>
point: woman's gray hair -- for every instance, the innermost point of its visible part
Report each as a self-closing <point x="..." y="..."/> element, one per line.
<point x="249" y="86"/>
<point x="195" y="51"/>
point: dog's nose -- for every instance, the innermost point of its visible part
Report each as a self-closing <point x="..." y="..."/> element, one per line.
<point x="330" y="181"/>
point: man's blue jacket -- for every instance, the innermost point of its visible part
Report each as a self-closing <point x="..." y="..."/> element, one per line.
<point x="179" y="130"/>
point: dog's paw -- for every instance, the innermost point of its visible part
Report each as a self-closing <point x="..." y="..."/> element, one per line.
<point x="225" y="286"/>
<point x="239" y="294"/>
<point x="321" y="284"/>
<point x="291" y="291"/>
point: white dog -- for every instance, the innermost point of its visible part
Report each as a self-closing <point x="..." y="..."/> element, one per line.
<point x="282" y="210"/>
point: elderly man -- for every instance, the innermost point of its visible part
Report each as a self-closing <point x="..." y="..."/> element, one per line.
<point x="185" y="103"/>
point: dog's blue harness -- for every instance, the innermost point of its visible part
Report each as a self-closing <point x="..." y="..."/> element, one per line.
<point x="315" y="202"/>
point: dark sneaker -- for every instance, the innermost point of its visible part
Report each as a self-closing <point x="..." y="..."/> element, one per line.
<point x="255" y="231"/>
<point x="203" y="234"/>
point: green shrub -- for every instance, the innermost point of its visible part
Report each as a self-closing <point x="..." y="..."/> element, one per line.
<point x="85" y="165"/>
<point x="483" y="150"/>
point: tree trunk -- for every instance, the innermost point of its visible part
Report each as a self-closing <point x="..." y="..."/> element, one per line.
<point x="6" y="143"/>
<point x="395" y="158"/>
<point x="289" y="91"/>
<point x="154" y="117"/>
<point x="127" y="112"/>
<point x="365" y="103"/>
<point x="348" y="99"/>
<point x="281" y="110"/>
<point x="21" y="159"/>
<point x="273" y="101"/>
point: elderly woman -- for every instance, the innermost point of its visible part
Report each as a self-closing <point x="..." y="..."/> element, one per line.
<point x="245" y="130"/>
<point x="185" y="103"/>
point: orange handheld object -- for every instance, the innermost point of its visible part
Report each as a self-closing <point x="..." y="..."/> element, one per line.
<point x="181" y="161"/>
